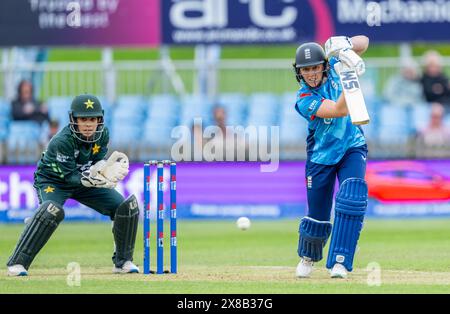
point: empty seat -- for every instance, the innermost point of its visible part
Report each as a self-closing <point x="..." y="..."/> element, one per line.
<point x="195" y="106"/>
<point x="4" y="125"/>
<point x="263" y="109"/>
<point x="163" y="108"/>
<point x="447" y="121"/>
<point x="293" y="134"/>
<point x="293" y="127"/>
<point x="125" y="134"/>
<point x="58" y="108"/>
<point x="393" y="124"/>
<point x="132" y="102"/>
<point x="129" y="110"/>
<point x="5" y="117"/>
<point x="5" y="108"/>
<point x="390" y="115"/>
<point x="420" y="116"/>
<point x="235" y="105"/>
<point x="158" y="135"/>
<point x="23" y="142"/>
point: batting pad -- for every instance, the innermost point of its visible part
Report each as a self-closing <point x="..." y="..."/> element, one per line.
<point x="36" y="233"/>
<point x="351" y="204"/>
<point x="124" y="229"/>
<point x="313" y="237"/>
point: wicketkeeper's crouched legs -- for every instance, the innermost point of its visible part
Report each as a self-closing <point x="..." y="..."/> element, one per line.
<point x="37" y="232"/>
<point x="351" y="204"/>
<point x="125" y="229"/>
<point x="313" y="237"/>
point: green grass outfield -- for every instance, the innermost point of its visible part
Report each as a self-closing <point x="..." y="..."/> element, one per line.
<point x="216" y="257"/>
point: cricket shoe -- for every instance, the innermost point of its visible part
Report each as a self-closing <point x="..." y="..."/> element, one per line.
<point x="17" y="270"/>
<point x="304" y="268"/>
<point x="127" y="268"/>
<point x="338" y="271"/>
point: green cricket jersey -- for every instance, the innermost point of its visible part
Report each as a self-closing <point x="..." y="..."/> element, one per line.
<point x="66" y="157"/>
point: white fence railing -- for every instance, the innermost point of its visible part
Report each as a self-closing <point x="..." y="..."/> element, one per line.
<point x="148" y="77"/>
<point x="163" y="76"/>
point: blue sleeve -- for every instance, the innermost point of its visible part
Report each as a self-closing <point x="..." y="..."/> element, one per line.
<point x="307" y="105"/>
<point x="332" y="62"/>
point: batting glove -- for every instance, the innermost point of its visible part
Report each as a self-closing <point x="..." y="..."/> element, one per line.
<point x="351" y="59"/>
<point x="335" y="44"/>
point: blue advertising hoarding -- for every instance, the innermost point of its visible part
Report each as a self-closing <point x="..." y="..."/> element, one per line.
<point x="294" y="21"/>
<point x="190" y="22"/>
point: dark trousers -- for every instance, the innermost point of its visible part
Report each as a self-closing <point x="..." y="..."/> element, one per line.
<point x="104" y="201"/>
<point x="321" y="179"/>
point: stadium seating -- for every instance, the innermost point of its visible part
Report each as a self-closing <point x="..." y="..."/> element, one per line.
<point x="393" y="126"/>
<point x="130" y="109"/>
<point x="108" y="109"/>
<point x="58" y="108"/>
<point x="164" y="109"/>
<point x="420" y="116"/>
<point x="234" y="105"/>
<point x="373" y="105"/>
<point x="5" y="111"/>
<point x="263" y="109"/>
<point x="293" y="127"/>
<point x="23" y="142"/>
<point x="195" y="106"/>
<point x="127" y="119"/>
<point x="146" y="123"/>
<point x="447" y="121"/>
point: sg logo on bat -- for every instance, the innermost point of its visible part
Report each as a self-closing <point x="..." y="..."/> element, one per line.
<point x="350" y="81"/>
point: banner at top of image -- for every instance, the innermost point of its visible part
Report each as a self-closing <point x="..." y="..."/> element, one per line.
<point x="79" y="22"/>
<point x="233" y="22"/>
<point x="293" y="21"/>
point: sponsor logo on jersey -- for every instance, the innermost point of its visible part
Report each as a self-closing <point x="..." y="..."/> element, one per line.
<point x="313" y="105"/>
<point x="62" y="158"/>
<point x="334" y="85"/>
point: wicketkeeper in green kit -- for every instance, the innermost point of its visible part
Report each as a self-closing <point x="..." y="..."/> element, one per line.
<point x="74" y="166"/>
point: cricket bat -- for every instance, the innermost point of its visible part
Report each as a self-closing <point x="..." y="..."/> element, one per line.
<point x="353" y="94"/>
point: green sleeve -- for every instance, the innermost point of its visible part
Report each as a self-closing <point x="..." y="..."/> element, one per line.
<point x="104" y="141"/>
<point x="61" y="155"/>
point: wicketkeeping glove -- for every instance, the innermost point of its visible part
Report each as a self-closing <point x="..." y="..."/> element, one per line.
<point x="116" y="168"/>
<point x="90" y="180"/>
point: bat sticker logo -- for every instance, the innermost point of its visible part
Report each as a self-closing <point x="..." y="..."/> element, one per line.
<point x="350" y="81"/>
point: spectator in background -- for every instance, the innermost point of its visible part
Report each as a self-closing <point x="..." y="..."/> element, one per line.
<point x="215" y="141"/>
<point x="436" y="85"/>
<point x="26" y="107"/>
<point x="219" y="115"/>
<point x="233" y="141"/>
<point x="405" y="89"/>
<point x="434" y="140"/>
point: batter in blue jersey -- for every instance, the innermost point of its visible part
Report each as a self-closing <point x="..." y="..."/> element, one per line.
<point x="335" y="149"/>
